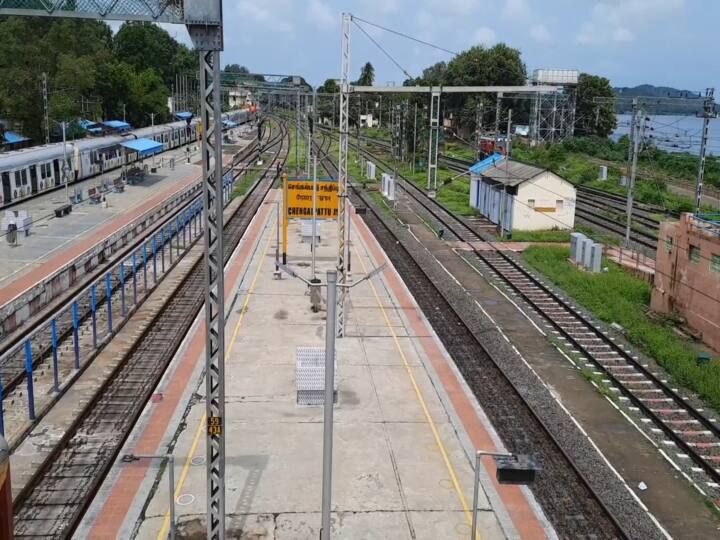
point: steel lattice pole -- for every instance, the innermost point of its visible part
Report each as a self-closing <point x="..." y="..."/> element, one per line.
<point x="342" y="170"/>
<point x="214" y="293"/>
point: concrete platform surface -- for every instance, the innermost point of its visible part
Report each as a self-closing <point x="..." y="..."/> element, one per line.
<point x="50" y="236"/>
<point x="401" y="456"/>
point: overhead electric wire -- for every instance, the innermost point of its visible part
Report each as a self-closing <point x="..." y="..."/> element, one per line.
<point x="384" y="51"/>
<point x="398" y="33"/>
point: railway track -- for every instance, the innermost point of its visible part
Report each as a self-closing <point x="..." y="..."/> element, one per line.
<point x="679" y="426"/>
<point x="566" y="496"/>
<point x="13" y="367"/>
<point x="55" y="500"/>
<point x="598" y="208"/>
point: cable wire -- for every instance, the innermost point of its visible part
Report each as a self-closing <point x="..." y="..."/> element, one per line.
<point x="406" y="36"/>
<point x="384" y="51"/>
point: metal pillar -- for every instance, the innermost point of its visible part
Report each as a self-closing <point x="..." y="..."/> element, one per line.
<point x="328" y="405"/>
<point x="46" y="108"/>
<point x="478" y="128"/>
<point x="708" y="113"/>
<point x="434" y="138"/>
<point x="342" y="169"/>
<point x="211" y="112"/>
<point x="297" y="132"/>
<point x="414" y="137"/>
<point x="639" y="127"/>
<point x="498" y="112"/>
<point x="307" y="137"/>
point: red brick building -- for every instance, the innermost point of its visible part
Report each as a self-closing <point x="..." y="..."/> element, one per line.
<point x="687" y="274"/>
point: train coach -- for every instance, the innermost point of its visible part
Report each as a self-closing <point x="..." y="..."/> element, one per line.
<point x="26" y="173"/>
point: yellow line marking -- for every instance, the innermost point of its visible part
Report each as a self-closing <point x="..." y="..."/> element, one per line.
<point x="162" y="535"/>
<point x="418" y="393"/>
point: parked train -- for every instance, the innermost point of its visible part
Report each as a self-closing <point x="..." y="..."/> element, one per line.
<point x="30" y="171"/>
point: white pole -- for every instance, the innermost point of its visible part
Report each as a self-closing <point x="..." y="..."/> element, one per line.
<point x="329" y="396"/>
<point x="476" y="489"/>
<point x="314" y="217"/>
<point x="65" y="162"/>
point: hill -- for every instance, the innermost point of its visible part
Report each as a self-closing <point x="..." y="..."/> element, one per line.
<point x="691" y="104"/>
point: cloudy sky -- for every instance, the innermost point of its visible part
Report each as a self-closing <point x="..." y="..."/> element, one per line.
<point x="662" y="42"/>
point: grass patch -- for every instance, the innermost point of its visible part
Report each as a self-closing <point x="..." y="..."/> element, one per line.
<point x="552" y="235"/>
<point x="616" y="296"/>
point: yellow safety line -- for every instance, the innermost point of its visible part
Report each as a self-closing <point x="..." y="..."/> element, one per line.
<point x="162" y="535"/>
<point x="423" y="405"/>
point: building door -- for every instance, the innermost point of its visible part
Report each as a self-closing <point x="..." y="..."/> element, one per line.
<point x="33" y="179"/>
<point x="6" y="189"/>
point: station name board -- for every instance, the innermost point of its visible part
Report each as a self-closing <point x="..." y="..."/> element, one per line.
<point x="300" y="199"/>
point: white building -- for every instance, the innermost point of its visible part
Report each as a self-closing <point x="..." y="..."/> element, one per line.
<point x="524" y="197"/>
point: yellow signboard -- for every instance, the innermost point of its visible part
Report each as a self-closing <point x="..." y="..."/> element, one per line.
<point x="300" y="199"/>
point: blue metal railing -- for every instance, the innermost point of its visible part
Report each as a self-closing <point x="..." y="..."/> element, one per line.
<point x="186" y="223"/>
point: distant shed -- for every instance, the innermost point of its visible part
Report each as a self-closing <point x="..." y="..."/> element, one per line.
<point x="523" y="197"/>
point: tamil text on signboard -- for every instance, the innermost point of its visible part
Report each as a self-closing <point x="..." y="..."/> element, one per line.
<point x="300" y="199"/>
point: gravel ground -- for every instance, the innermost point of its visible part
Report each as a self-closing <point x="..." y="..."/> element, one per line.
<point x="508" y="391"/>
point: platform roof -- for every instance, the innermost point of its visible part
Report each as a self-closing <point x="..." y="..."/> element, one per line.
<point x="117" y="124"/>
<point x="10" y="137"/>
<point x="144" y="147"/>
<point x="511" y="173"/>
<point x="486" y="163"/>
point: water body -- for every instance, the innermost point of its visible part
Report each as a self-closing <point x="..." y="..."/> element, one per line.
<point x="674" y="133"/>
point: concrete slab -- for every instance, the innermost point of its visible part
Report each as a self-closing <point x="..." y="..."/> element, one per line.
<point x="51" y="236"/>
<point x="401" y="465"/>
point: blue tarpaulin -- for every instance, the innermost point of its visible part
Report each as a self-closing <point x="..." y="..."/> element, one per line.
<point x="229" y="124"/>
<point x="117" y="124"/>
<point x="184" y="115"/>
<point x="144" y="147"/>
<point x="90" y="126"/>
<point x="14" y="138"/>
<point x="486" y="163"/>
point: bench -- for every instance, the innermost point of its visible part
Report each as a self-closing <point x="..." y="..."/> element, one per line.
<point x="118" y="185"/>
<point x="63" y="210"/>
<point x="94" y="195"/>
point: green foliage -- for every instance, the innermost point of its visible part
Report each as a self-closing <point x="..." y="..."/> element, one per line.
<point x="91" y="74"/>
<point x="329" y="87"/>
<point x="236" y="68"/>
<point x="552" y="235"/>
<point x="594" y="118"/>
<point x="616" y="296"/>
<point x="367" y="75"/>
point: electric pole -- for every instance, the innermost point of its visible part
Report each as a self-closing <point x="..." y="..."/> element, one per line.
<point x="639" y="131"/>
<point x="478" y="128"/>
<point x="498" y="111"/>
<point x="46" y="108"/>
<point x="708" y="113"/>
<point x="414" y="137"/>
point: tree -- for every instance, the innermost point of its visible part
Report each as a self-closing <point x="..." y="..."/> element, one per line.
<point x="594" y="118"/>
<point x="236" y="68"/>
<point x="330" y="86"/>
<point x="367" y="75"/>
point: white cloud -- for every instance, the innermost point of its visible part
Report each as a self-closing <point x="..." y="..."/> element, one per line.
<point x="621" y="34"/>
<point x="540" y="33"/>
<point x="611" y="19"/>
<point x="320" y="14"/>
<point x="516" y="8"/>
<point x="485" y="36"/>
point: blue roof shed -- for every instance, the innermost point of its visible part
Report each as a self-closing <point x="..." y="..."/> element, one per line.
<point x="144" y="147"/>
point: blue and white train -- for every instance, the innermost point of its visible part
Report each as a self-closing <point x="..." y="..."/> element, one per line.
<point x="26" y="173"/>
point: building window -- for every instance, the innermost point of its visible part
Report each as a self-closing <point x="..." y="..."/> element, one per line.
<point x="694" y="254"/>
<point x="531" y="203"/>
<point x="668" y="244"/>
<point x="715" y="263"/>
<point x="559" y="205"/>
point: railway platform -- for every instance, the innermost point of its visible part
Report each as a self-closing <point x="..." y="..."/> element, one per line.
<point x="405" y="423"/>
<point x="54" y="241"/>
